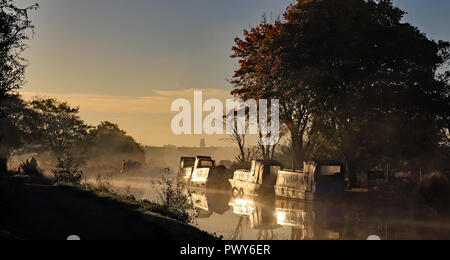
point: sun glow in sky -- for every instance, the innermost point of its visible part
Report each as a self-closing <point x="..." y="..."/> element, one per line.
<point x="126" y="61"/>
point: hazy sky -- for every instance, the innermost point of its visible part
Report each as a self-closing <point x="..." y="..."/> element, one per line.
<point x="126" y="61"/>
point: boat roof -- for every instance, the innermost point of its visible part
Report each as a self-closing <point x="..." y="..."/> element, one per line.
<point x="204" y="158"/>
<point x="268" y="162"/>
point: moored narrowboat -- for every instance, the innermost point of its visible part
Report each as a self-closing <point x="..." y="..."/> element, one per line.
<point x="297" y="184"/>
<point x="186" y="167"/>
<point x="201" y="171"/>
<point x="311" y="182"/>
<point x="258" y="180"/>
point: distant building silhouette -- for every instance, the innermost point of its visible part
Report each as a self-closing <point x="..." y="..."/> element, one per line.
<point x="202" y="143"/>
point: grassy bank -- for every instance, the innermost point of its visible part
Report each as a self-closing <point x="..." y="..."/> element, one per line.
<point x="32" y="208"/>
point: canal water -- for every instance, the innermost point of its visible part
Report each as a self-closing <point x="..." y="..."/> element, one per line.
<point x="351" y="217"/>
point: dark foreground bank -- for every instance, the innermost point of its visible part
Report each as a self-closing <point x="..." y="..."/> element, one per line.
<point x="32" y="208"/>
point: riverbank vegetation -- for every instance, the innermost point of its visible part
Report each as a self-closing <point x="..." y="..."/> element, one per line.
<point x="34" y="208"/>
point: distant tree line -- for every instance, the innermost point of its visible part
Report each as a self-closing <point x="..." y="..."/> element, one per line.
<point x="49" y="126"/>
<point x="46" y="125"/>
<point x="355" y="83"/>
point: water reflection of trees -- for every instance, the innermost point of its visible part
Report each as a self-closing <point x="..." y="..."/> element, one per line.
<point x="267" y="234"/>
<point x="264" y="232"/>
<point x="272" y="219"/>
<point x="238" y="233"/>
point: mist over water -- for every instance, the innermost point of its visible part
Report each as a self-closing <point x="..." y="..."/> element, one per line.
<point x="353" y="217"/>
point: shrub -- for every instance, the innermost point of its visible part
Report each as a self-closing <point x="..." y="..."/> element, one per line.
<point x="172" y="198"/>
<point x="30" y="167"/>
<point x="67" y="171"/>
<point x="435" y="191"/>
<point x="103" y="183"/>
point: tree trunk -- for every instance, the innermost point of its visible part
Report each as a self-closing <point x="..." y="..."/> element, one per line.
<point x="297" y="151"/>
<point x="243" y="158"/>
<point x="350" y="174"/>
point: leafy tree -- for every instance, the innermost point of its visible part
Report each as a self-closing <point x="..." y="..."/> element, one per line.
<point x="108" y="143"/>
<point x="15" y="28"/>
<point x="444" y="114"/>
<point x="17" y="127"/>
<point x="60" y="125"/>
<point x="263" y="74"/>
<point x="370" y="87"/>
<point x="344" y="75"/>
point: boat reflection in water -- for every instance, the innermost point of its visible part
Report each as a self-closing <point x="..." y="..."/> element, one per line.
<point x="258" y="213"/>
<point x="276" y="218"/>
<point x="299" y="216"/>
<point x="250" y="212"/>
<point x="306" y="222"/>
<point x="269" y="215"/>
<point x="209" y="201"/>
<point x="261" y="217"/>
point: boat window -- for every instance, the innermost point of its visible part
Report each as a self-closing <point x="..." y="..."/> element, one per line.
<point x="330" y="170"/>
<point x="187" y="163"/>
<point x="204" y="164"/>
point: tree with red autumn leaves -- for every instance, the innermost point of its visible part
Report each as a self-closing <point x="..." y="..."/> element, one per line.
<point x="350" y="73"/>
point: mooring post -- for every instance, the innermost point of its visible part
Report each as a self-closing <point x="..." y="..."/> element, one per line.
<point x="420" y="176"/>
<point x="387" y="173"/>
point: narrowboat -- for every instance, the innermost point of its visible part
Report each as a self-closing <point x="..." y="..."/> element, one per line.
<point x="313" y="181"/>
<point x="260" y="179"/>
<point x="201" y="171"/>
